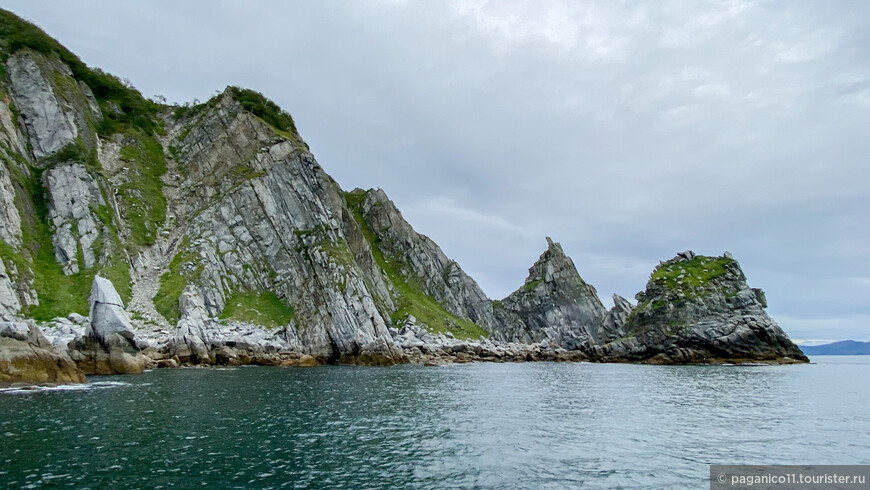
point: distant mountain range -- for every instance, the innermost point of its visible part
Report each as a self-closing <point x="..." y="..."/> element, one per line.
<point x="841" y="348"/>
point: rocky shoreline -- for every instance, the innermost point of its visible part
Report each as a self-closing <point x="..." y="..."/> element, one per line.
<point x="238" y="344"/>
<point x="722" y="324"/>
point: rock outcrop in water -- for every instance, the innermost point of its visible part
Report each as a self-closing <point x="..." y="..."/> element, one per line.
<point x="701" y="309"/>
<point x="229" y="244"/>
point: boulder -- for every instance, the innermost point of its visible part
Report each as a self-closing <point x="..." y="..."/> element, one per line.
<point x="190" y="342"/>
<point x="108" y="345"/>
<point x="27" y="356"/>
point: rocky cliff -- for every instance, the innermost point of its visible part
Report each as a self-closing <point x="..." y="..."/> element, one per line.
<point x="209" y="233"/>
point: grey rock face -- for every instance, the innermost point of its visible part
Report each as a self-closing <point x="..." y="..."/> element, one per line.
<point x="9" y="304"/>
<point x="72" y="191"/>
<point x="10" y="135"/>
<point x="10" y="221"/>
<point x="91" y="101"/>
<point x="190" y="342"/>
<point x="554" y="305"/>
<point x="613" y="325"/>
<point x="700" y="309"/>
<point x="267" y="218"/>
<point x="49" y="126"/>
<point x="109" y="322"/>
<point x="108" y="346"/>
<point x="423" y="261"/>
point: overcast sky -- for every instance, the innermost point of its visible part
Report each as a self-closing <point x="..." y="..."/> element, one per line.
<point x="627" y="131"/>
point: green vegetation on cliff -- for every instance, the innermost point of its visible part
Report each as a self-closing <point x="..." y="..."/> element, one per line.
<point x="58" y="293"/>
<point x="173" y="282"/>
<point x="74" y="151"/>
<point x="269" y="112"/>
<point x="410" y="298"/>
<point x="260" y="308"/>
<point x="122" y="106"/>
<point x="265" y="109"/>
<point x="141" y="197"/>
<point x="692" y="275"/>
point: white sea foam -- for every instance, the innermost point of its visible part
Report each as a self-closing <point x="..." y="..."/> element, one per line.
<point x="27" y="389"/>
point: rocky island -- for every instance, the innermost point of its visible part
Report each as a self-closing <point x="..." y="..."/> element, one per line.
<point x="135" y="234"/>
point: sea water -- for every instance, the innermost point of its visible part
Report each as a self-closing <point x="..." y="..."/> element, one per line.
<point x="535" y="425"/>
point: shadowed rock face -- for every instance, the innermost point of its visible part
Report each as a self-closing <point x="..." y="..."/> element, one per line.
<point x="700" y="309"/>
<point x="554" y="305"/>
<point x="613" y="325"/>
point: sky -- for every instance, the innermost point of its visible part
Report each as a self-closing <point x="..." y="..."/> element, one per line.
<point x="627" y="131"/>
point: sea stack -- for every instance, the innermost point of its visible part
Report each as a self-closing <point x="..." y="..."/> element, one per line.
<point x="699" y="309"/>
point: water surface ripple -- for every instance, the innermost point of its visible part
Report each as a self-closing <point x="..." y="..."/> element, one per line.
<point x="537" y="425"/>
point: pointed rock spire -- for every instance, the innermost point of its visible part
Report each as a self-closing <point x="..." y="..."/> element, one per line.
<point x="555" y="305"/>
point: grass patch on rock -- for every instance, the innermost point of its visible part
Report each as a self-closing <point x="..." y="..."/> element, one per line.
<point x="141" y="196"/>
<point x="60" y="294"/>
<point x="173" y="282"/>
<point x="263" y="308"/>
<point x="265" y="109"/>
<point x="691" y="275"/>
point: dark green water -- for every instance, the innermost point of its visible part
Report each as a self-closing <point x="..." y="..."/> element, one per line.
<point x="538" y="425"/>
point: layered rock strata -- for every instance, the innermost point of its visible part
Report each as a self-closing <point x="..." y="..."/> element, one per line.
<point x="555" y="304"/>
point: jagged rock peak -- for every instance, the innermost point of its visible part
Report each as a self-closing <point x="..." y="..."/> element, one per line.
<point x="554" y="304"/>
<point x="621" y="304"/>
<point x="613" y="325"/>
<point x="422" y="268"/>
<point x="552" y="265"/>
